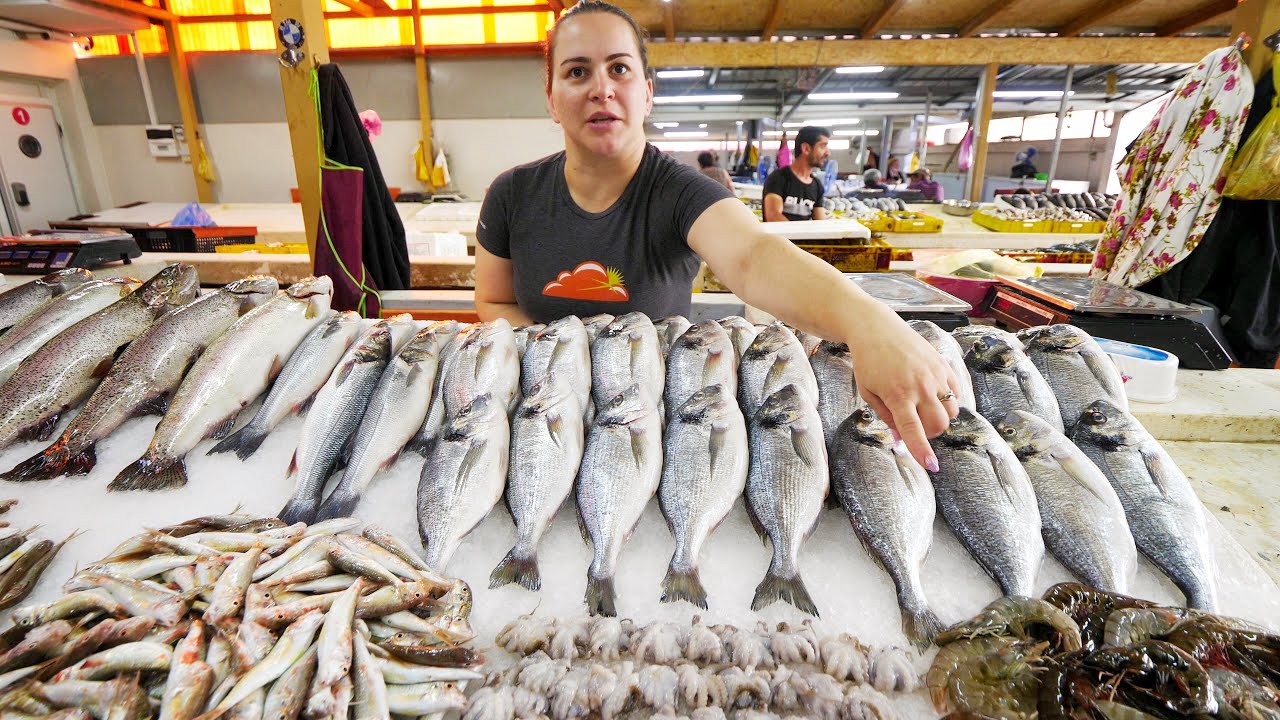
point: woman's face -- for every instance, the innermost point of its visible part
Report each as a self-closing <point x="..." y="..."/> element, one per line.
<point x="599" y="93"/>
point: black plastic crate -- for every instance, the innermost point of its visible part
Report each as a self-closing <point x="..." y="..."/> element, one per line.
<point x="191" y="239"/>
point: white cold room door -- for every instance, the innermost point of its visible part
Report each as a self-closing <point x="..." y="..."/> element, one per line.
<point x="37" y="184"/>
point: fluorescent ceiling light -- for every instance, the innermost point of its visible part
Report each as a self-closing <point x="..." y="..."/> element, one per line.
<point x="860" y="69"/>
<point x="1014" y="94"/>
<point x="686" y="134"/>
<point x="858" y="133"/>
<point x="836" y="121"/>
<point x="681" y="73"/>
<point x="664" y="125"/>
<point x="697" y="99"/>
<point x="772" y="133"/>
<point x="853" y="96"/>
<point x="702" y="125"/>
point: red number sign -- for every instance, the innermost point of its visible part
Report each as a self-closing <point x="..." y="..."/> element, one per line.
<point x="21" y="116"/>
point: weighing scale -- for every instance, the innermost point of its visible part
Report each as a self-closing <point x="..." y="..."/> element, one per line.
<point x="1114" y="312"/>
<point x="914" y="299"/>
<point x="41" y="252"/>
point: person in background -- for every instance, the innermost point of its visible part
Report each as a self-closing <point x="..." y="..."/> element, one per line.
<point x="871" y="161"/>
<point x="612" y="224"/>
<point x="871" y="180"/>
<point x="922" y="180"/>
<point x="893" y="173"/>
<point x="707" y="165"/>
<point x="792" y="192"/>
<point x="1023" y="167"/>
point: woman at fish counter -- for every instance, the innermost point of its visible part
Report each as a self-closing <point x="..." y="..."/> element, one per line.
<point x="613" y="225"/>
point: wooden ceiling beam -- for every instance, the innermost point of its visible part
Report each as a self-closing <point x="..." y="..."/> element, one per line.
<point x="880" y="19"/>
<point x="950" y="52"/>
<point x="1196" y="17"/>
<point x="1094" y="16"/>
<point x="771" y="22"/>
<point x="669" y="21"/>
<point x="137" y="8"/>
<point x="358" y="7"/>
<point x="381" y="13"/>
<point x="984" y="16"/>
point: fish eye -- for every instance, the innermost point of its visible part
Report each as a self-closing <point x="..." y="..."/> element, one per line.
<point x="1007" y="431"/>
<point x="1097" y="418"/>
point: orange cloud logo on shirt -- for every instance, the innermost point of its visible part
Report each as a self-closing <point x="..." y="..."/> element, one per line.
<point x="589" y="281"/>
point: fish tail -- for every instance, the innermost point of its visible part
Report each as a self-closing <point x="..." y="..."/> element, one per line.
<point x="1202" y="596"/>
<point x="517" y="567"/>
<point x="921" y="625"/>
<point x="149" y="473"/>
<point x="601" y="599"/>
<point x="341" y="503"/>
<point x="55" y="461"/>
<point x="775" y="587"/>
<point x="243" y="442"/>
<point x="298" y="510"/>
<point x="684" y="585"/>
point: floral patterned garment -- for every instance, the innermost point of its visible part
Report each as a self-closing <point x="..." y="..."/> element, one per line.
<point x="1172" y="177"/>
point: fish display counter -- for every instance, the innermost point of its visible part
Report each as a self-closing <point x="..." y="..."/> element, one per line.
<point x="638" y="507"/>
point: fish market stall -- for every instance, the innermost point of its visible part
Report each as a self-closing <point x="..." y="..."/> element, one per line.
<point x="664" y="426"/>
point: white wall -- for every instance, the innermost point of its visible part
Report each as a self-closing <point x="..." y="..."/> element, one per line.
<point x="254" y="162"/>
<point x="52" y="64"/>
<point x="1080" y="159"/>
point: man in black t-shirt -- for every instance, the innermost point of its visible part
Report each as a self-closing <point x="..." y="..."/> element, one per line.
<point x="792" y="193"/>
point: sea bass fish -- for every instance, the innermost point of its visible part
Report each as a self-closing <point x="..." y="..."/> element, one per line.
<point x="669" y="330"/>
<point x="562" y="347"/>
<point x="949" y="348"/>
<point x="463" y="477"/>
<point x="57" y="315"/>
<point x="774" y="360"/>
<point x="486" y="361"/>
<point x="67" y="369"/>
<point x="17" y="304"/>
<point x="988" y="501"/>
<point x="395" y="412"/>
<point x="626" y="353"/>
<point x="451" y="335"/>
<point x="709" y="436"/>
<point x="234" y="371"/>
<point x="145" y="376"/>
<point x="547" y="438"/>
<point x="1076" y="368"/>
<point x="1082" y="519"/>
<point x="1164" y="514"/>
<point x="890" y="503"/>
<point x="741" y="332"/>
<point x="620" y="471"/>
<point x="703" y="356"/>
<point x="306" y="371"/>
<point x="333" y="418"/>
<point x="787" y="485"/>
<point x="1004" y="380"/>
<point x="837" y="389"/>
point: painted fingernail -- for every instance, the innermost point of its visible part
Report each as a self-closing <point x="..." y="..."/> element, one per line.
<point x="931" y="464"/>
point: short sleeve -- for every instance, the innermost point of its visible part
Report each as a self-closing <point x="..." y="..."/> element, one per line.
<point x="698" y="193"/>
<point x="493" y="231"/>
<point x="776" y="184"/>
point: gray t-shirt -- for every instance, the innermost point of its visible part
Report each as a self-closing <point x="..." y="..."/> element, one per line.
<point x="567" y="261"/>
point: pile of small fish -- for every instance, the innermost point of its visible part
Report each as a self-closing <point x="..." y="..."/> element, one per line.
<point x="248" y="618"/>
<point x="1086" y="653"/>
<point x="609" y="667"/>
<point x="23" y="559"/>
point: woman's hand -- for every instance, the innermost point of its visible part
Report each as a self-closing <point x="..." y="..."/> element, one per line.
<point x="903" y="379"/>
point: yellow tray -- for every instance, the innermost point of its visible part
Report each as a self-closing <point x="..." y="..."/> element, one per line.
<point x="1025" y="226"/>
<point x="882" y="223"/>
<point x="914" y="222"/>
<point x="263" y="248"/>
<point x="1078" y="226"/>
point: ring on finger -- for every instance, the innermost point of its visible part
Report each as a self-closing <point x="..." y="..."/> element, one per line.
<point x="947" y="396"/>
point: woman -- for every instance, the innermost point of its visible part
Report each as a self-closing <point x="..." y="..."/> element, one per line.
<point x="893" y="173"/>
<point x="613" y="225"/>
<point x="871" y="180"/>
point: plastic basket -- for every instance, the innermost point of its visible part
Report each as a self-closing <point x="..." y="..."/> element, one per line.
<point x="272" y="249"/>
<point x="853" y="258"/>
<point x="1024" y="226"/>
<point x="1078" y="226"/>
<point x="882" y="223"/>
<point x="914" y="222"/>
<point x="191" y="239"/>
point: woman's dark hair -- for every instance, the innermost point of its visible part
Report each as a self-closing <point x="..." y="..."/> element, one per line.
<point x="594" y="6"/>
<point x="706" y="159"/>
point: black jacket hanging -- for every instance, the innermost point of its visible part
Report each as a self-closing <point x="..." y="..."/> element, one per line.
<point x="1237" y="264"/>
<point x="386" y="256"/>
